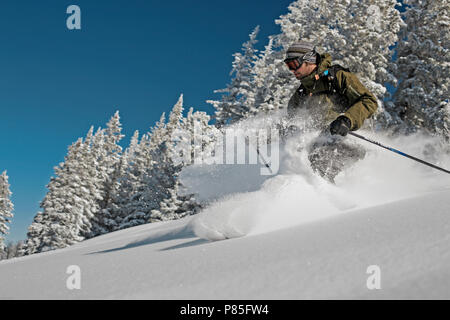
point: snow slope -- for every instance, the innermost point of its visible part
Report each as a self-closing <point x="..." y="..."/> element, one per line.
<point x="288" y="236"/>
<point x="408" y="239"/>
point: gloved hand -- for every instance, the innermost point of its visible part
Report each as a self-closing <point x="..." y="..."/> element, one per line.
<point x="340" y="126"/>
<point x="292" y="129"/>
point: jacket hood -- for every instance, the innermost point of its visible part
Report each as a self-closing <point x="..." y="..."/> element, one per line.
<point x="324" y="64"/>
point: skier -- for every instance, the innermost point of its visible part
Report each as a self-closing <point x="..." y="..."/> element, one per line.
<point x="328" y="93"/>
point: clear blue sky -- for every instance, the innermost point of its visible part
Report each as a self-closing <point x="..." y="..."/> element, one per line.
<point x="135" y="56"/>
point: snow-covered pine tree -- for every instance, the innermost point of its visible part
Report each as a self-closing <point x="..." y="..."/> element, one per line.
<point x="72" y="200"/>
<point x="196" y="138"/>
<point x="9" y="251"/>
<point x="233" y="105"/>
<point x="13" y="250"/>
<point x="91" y="180"/>
<point x="133" y="149"/>
<point x="202" y="135"/>
<point x="164" y="171"/>
<point x="272" y="83"/>
<point x="21" y="248"/>
<point x="63" y="221"/>
<point x="176" y="206"/>
<point x="6" y="209"/>
<point x="34" y="235"/>
<point x="140" y="186"/>
<point x="423" y="66"/>
<point x="139" y="204"/>
<point x="127" y="183"/>
<point x="172" y="204"/>
<point x="110" y="169"/>
<point x="136" y="157"/>
<point x="358" y="35"/>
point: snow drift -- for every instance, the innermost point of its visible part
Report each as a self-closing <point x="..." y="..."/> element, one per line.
<point x="409" y="240"/>
<point x="241" y="201"/>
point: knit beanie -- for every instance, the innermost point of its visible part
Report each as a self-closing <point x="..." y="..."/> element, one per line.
<point x="300" y="49"/>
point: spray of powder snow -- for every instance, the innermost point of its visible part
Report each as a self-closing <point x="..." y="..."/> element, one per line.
<point x="297" y="195"/>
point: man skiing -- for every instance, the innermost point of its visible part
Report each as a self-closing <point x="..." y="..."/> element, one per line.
<point x="328" y="94"/>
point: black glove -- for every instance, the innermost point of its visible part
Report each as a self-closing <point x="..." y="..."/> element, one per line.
<point x="292" y="129"/>
<point x="340" y="126"/>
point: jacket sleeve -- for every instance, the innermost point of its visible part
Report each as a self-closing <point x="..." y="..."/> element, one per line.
<point x="294" y="104"/>
<point x="362" y="103"/>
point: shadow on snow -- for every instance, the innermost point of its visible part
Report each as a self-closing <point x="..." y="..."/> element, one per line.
<point x="181" y="233"/>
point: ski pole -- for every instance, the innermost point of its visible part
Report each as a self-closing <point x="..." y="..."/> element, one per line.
<point x="262" y="158"/>
<point x="398" y="152"/>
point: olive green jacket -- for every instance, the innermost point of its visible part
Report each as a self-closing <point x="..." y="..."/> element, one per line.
<point x="352" y="99"/>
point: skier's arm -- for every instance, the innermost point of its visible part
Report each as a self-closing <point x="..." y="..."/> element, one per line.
<point x="362" y="103"/>
<point x="294" y="104"/>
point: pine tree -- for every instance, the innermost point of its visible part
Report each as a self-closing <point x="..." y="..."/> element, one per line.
<point x="195" y="138"/>
<point x="175" y="206"/>
<point x="272" y="83"/>
<point x="200" y="137"/>
<point x="6" y="209"/>
<point x="139" y="187"/>
<point x="91" y="181"/>
<point x="135" y="163"/>
<point x="110" y="170"/>
<point x="233" y="105"/>
<point x="164" y="171"/>
<point x="34" y="235"/>
<point x="13" y="250"/>
<point x="73" y="198"/>
<point x="423" y="65"/>
<point x="63" y="221"/>
<point x="21" y="248"/>
<point x="127" y="181"/>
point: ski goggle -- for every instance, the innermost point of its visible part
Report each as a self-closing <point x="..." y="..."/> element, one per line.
<point x="293" y="63"/>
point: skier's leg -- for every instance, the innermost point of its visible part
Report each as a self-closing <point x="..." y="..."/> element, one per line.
<point x="329" y="155"/>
